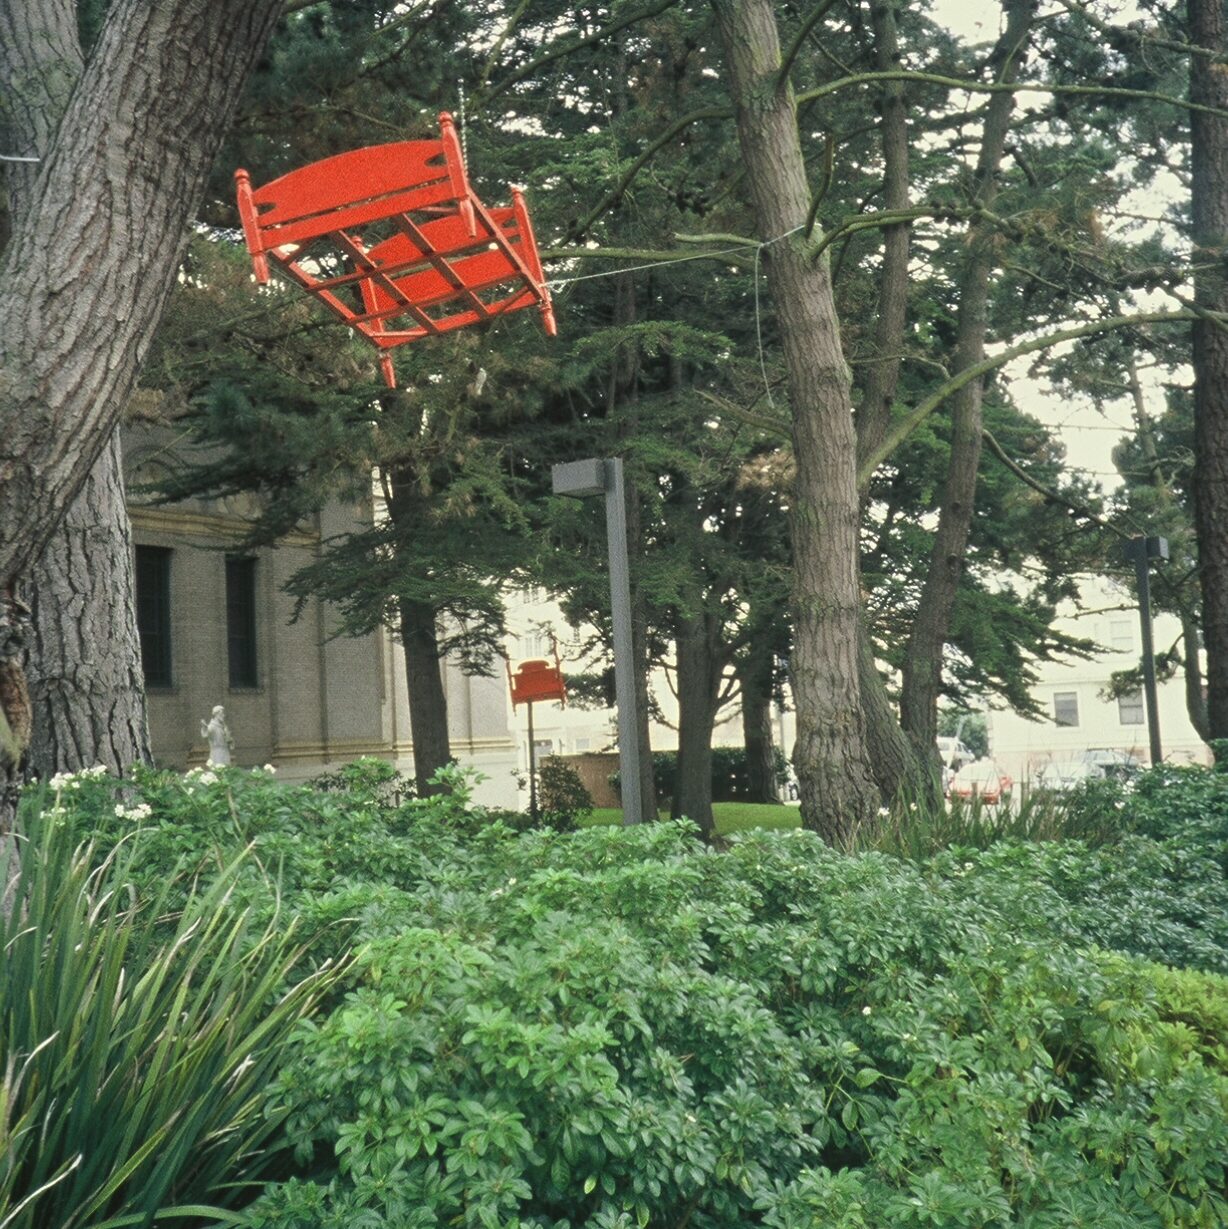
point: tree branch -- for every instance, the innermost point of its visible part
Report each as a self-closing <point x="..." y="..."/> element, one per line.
<point x="902" y="429"/>
<point x="554" y="52"/>
<point x="577" y="229"/>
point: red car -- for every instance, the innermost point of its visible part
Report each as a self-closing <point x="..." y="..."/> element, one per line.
<point x="981" y="779"/>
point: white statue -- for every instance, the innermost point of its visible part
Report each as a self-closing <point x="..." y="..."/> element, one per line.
<point x="217" y="733"/>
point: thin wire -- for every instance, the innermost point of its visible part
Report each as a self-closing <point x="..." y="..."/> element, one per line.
<point x="17" y="158"/>
<point x="556" y="282"/>
<point x="767" y="388"/>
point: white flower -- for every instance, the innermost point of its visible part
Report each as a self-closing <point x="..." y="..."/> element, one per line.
<point x="968" y="866"/>
<point x="142" y="810"/>
<point x="270" y="769"/>
<point x="208" y="778"/>
<point x="865" y="1011"/>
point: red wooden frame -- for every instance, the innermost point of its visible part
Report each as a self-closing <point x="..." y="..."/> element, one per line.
<point x="414" y="252"/>
<point x="536" y="679"/>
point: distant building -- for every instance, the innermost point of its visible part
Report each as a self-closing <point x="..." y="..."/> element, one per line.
<point x="1077" y="716"/>
<point x="216" y="628"/>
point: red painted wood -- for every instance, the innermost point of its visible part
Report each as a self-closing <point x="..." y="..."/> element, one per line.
<point x="437" y="273"/>
<point x="537" y="680"/>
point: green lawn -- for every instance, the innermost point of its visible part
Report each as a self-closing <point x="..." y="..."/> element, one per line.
<point x="730" y="816"/>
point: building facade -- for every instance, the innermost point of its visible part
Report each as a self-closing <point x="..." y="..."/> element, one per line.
<point x="1078" y="714"/>
<point x="216" y="627"/>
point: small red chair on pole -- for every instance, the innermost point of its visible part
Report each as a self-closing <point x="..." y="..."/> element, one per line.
<point x="534" y="680"/>
<point x="394" y="240"/>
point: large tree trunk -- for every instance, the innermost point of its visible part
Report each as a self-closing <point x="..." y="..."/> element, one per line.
<point x="428" y="703"/>
<point x="699" y="679"/>
<point x="1195" y="701"/>
<point x="838" y="794"/>
<point x="1209" y="205"/>
<point x="754" y="673"/>
<point x="922" y="674"/>
<point x="91" y="260"/>
<point x="898" y="767"/>
<point x="88" y="706"/>
<point x="86" y="689"/>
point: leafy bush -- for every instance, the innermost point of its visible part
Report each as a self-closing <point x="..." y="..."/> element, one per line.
<point x="139" y="1036"/>
<point x="621" y="1027"/>
<point x="564" y="800"/>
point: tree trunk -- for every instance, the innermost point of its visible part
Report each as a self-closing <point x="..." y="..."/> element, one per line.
<point x="88" y="701"/>
<point x="1209" y="206"/>
<point x="699" y="677"/>
<point x="838" y="794"/>
<point x="754" y="674"/>
<point x="1195" y="701"/>
<point x="922" y="673"/>
<point x="900" y="770"/>
<point x="883" y="370"/>
<point x="897" y="765"/>
<point x="428" y="704"/>
<point x="93" y="256"/>
<point x="88" y="707"/>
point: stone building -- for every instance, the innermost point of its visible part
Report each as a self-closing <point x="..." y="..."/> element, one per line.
<point x="216" y="627"/>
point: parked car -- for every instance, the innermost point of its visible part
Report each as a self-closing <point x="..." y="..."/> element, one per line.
<point x="1061" y="776"/>
<point x="1114" y="764"/>
<point x="981" y="779"/>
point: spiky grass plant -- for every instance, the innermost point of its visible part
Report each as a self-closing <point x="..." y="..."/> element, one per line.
<point x="139" y="1036"/>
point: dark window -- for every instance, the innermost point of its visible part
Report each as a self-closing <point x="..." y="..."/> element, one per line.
<point x="153" y="613"/>
<point x="241" y="622"/>
<point x="1066" y="707"/>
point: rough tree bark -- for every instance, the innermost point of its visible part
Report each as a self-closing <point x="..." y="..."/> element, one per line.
<point x="1208" y="28"/>
<point x="838" y="794"/>
<point x="697" y="645"/>
<point x="922" y="673"/>
<point x="88" y="707"/>
<point x="90" y="263"/>
<point x="898" y="767"/>
<point x="1195" y="701"/>
<point x="428" y="703"/>
<point x="754" y="674"/>
<point x="87" y="692"/>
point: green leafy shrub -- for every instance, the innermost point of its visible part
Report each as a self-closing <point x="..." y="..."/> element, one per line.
<point x="622" y="1027"/>
<point x="139" y="1037"/>
<point x="564" y="800"/>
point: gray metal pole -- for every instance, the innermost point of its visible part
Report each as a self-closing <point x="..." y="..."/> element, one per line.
<point x="624" y="658"/>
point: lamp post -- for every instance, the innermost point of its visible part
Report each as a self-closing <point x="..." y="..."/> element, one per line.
<point x="1140" y="552"/>
<point x="604" y="476"/>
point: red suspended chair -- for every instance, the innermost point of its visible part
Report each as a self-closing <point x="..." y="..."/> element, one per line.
<point x="393" y="239"/>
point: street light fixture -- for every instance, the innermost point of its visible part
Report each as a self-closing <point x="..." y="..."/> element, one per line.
<point x="604" y="476"/>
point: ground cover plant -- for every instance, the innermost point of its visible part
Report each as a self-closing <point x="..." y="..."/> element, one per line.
<point x="627" y="1028"/>
<point x="140" y="1032"/>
